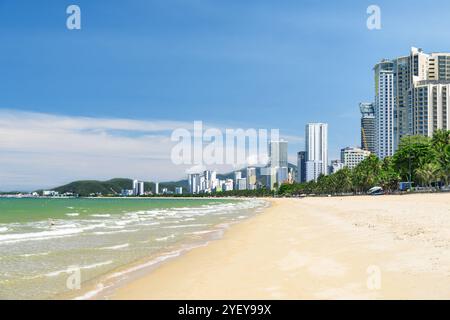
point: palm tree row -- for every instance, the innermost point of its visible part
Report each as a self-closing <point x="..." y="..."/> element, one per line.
<point x="421" y="160"/>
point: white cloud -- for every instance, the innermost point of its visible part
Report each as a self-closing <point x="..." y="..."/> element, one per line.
<point x="40" y="150"/>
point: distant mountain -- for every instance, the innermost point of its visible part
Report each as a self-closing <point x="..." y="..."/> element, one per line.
<point x="87" y="187"/>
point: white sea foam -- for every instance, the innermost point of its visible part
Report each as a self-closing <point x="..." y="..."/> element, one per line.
<point x="202" y="232"/>
<point x="186" y="226"/>
<point x="106" y="215"/>
<point x="114" y="232"/>
<point x="3" y="229"/>
<point x="159" y="259"/>
<point x="165" y="238"/>
<point x="117" y="247"/>
<point x="68" y="270"/>
<point x="26" y="255"/>
<point x="72" y="214"/>
<point x="43" y="235"/>
<point x="90" y="294"/>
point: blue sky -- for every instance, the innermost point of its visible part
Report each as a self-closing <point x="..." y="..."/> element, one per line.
<point x="250" y="64"/>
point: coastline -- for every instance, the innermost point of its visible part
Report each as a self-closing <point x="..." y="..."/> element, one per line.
<point x="316" y="248"/>
<point x="103" y="286"/>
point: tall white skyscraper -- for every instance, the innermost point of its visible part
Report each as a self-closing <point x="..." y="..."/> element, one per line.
<point x="138" y="188"/>
<point x="316" y="147"/>
<point x="278" y="157"/>
<point x="251" y="178"/>
<point x="278" y="153"/>
<point x="384" y="109"/>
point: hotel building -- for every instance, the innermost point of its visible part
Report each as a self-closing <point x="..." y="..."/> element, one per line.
<point x="351" y="157"/>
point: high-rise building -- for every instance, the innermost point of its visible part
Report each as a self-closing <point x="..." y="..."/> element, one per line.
<point x="138" y="188"/>
<point x="316" y="145"/>
<point x="194" y="183"/>
<point x="227" y="185"/>
<point x="278" y="154"/>
<point x="336" y="165"/>
<point x="351" y="157"/>
<point x="301" y="166"/>
<point x="241" y="184"/>
<point x="251" y="178"/>
<point x="384" y="109"/>
<point x="367" y="126"/>
<point x="156" y="187"/>
<point x="415" y="102"/>
<point x="278" y="163"/>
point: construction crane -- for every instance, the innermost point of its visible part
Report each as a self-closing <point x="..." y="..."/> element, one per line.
<point x="363" y="135"/>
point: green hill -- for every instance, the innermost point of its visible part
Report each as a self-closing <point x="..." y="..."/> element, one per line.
<point x="85" y="188"/>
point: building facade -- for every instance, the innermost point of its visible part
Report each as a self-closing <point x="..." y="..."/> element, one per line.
<point x="384" y="109"/>
<point x="367" y="126"/>
<point x="420" y="93"/>
<point x="301" y="166"/>
<point x="277" y="172"/>
<point x="251" y="178"/>
<point x="351" y="157"/>
<point x="316" y="148"/>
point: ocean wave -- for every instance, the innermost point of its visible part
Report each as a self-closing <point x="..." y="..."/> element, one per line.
<point x="159" y="259"/>
<point x="43" y="235"/>
<point x="100" y="233"/>
<point x="90" y="294"/>
<point x="165" y="238"/>
<point x="72" y="214"/>
<point x="71" y="269"/>
<point x="186" y="226"/>
<point x="3" y="229"/>
<point x="117" y="247"/>
<point x="26" y="255"/>
<point x="106" y="215"/>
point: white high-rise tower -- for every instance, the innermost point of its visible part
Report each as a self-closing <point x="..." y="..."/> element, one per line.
<point x="384" y="109"/>
<point x="316" y="147"/>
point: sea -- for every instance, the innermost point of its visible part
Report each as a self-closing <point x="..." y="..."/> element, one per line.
<point x="53" y="248"/>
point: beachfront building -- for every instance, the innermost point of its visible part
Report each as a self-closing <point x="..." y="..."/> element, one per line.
<point x="367" y="126"/>
<point x="301" y="166"/>
<point x="178" y="190"/>
<point x="138" y="188"/>
<point x="227" y="185"/>
<point x="336" y="165"/>
<point x="194" y="183"/>
<point x="412" y="98"/>
<point x="204" y="182"/>
<point x="241" y="184"/>
<point x="351" y="157"/>
<point x="384" y="109"/>
<point x="156" y="187"/>
<point x="316" y="148"/>
<point x="251" y="178"/>
<point x="277" y="171"/>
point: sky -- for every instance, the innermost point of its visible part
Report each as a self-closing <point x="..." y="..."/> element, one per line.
<point x="101" y="102"/>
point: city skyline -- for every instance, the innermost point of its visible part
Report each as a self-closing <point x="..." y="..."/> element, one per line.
<point x="128" y="85"/>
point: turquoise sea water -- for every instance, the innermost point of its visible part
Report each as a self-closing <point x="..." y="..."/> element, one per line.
<point x="42" y="240"/>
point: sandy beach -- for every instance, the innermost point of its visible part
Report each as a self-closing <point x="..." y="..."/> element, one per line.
<point x="385" y="247"/>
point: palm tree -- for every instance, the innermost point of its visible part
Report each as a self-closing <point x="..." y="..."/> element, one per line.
<point x="428" y="173"/>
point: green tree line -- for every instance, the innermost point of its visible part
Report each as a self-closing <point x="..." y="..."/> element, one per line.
<point x="422" y="160"/>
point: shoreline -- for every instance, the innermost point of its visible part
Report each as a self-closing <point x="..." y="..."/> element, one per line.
<point x="316" y="248"/>
<point x="104" y="286"/>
